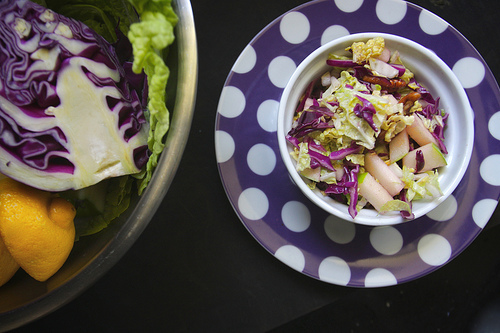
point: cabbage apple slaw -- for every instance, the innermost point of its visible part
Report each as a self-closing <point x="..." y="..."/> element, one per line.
<point x="368" y="134"/>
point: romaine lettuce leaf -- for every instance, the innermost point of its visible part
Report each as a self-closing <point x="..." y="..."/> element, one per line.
<point x="150" y="37"/>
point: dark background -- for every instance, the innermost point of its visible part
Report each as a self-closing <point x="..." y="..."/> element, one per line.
<point x="197" y="269"/>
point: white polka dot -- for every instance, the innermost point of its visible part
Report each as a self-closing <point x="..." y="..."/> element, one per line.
<point x="333" y="32"/>
<point x="296" y="216"/>
<point x="483" y="210"/>
<point x="267" y="115"/>
<point x="246" y="61"/>
<point x="338" y="230"/>
<point x="348" y="6"/>
<point x="494" y="125"/>
<point x="434" y="249"/>
<point x="253" y="203"/>
<point x="232" y="102"/>
<point x="469" y="71"/>
<point x="334" y="270"/>
<point x="391" y="11"/>
<point x="261" y="159"/>
<point x="431" y="24"/>
<point x="445" y="211"/>
<point x="489" y="170"/>
<point x="386" y="240"/>
<point x="280" y="70"/>
<point x="379" y="277"/>
<point x="292" y="256"/>
<point x="295" y="27"/>
<point x="224" y="145"/>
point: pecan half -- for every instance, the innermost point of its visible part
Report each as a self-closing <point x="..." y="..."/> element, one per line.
<point x="386" y="84"/>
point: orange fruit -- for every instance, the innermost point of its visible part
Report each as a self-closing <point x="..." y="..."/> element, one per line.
<point x="8" y="266"/>
<point x="36" y="227"/>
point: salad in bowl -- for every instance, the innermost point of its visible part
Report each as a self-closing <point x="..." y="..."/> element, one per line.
<point x="369" y="128"/>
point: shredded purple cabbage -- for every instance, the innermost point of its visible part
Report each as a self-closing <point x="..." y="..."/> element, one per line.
<point x="361" y="71"/>
<point x="342" y="153"/>
<point x="312" y="145"/>
<point x="341" y="63"/>
<point x="348" y="185"/>
<point x="320" y="160"/>
<point x="405" y="214"/>
<point x="432" y="108"/>
<point x="307" y="94"/>
<point x="420" y="160"/>
<point x="293" y="140"/>
<point x="425" y="94"/>
<point x="310" y="121"/>
<point x="365" y="111"/>
<point x="321" y="109"/>
<point x="401" y="69"/>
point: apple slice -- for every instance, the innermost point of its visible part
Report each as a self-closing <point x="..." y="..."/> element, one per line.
<point x="433" y="158"/>
<point x="383" y="68"/>
<point x="381" y="171"/>
<point x="399" y="146"/>
<point x="396" y="169"/>
<point x="385" y="55"/>
<point x="372" y="191"/>
<point x="418" y="132"/>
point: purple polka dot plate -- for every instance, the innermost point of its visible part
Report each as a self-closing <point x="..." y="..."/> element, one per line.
<point x="272" y="207"/>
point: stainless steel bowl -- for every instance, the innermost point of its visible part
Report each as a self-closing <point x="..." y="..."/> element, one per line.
<point x="23" y="299"/>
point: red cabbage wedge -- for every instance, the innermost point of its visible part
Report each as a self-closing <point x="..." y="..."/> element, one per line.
<point x="69" y="118"/>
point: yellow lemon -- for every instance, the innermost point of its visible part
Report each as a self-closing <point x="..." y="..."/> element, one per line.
<point x="36" y="227"/>
<point x="8" y="266"/>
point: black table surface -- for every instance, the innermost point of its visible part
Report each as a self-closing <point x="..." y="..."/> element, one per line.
<point x="196" y="268"/>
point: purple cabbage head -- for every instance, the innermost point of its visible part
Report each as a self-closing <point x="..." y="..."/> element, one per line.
<point x="68" y="115"/>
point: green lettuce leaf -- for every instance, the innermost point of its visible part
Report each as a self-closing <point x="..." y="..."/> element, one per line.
<point x="150" y="37"/>
<point x="98" y="205"/>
